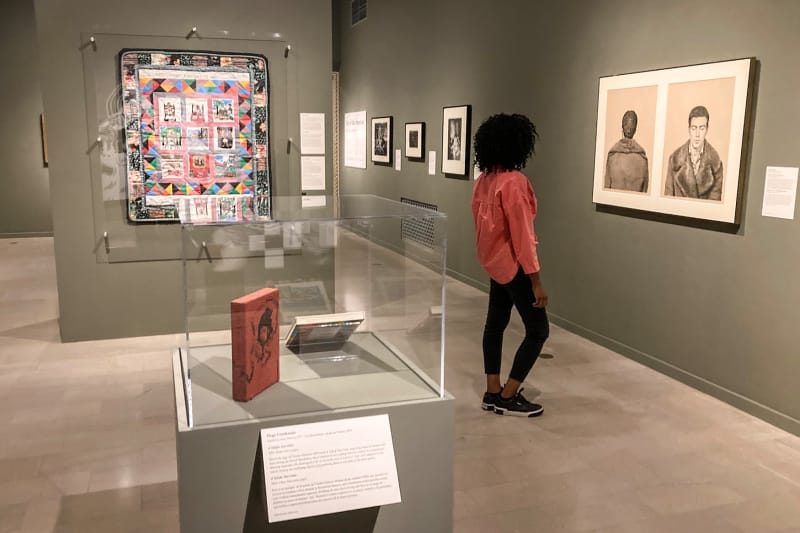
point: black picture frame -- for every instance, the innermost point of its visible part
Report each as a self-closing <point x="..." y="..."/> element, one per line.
<point x="456" y="133"/>
<point x="382" y="142"/>
<point x="415" y="141"/>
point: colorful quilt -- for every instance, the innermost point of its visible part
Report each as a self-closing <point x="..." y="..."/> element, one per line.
<point x="196" y="133"/>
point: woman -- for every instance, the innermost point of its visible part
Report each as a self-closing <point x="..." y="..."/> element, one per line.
<point x="503" y="207"/>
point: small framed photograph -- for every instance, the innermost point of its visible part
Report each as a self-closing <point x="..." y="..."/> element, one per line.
<point x="197" y="109"/>
<point x="226" y="166"/>
<point x="197" y="138"/>
<point x="171" y="138"/>
<point x="382" y="140"/>
<point x="198" y="166"/>
<point x="223" y="110"/>
<point x="202" y="211"/>
<point x="415" y="140"/>
<point x="172" y="168"/>
<point x="45" y="159"/>
<point x="169" y="109"/>
<point x="455" y="140"/>
<point x="224" y="138"/>
<point x="227" y="208"/>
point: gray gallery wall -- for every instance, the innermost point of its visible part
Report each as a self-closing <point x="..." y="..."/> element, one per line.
<point x="715" y="309"/>
<point x="25" y="202"/>
<point x="101" y="298"/>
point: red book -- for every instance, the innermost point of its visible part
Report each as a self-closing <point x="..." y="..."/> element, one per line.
<point x="254" y="343"/>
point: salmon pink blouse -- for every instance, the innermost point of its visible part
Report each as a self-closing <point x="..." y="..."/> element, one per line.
<point x="504" y="207"/>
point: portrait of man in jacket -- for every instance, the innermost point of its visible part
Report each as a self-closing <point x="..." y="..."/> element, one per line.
<point x="626" y="163"/>
<point x="695" y="168"/>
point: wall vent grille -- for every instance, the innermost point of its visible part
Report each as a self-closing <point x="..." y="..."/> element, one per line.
<point x="418" y="229"/>
<point x="358" y="11"/>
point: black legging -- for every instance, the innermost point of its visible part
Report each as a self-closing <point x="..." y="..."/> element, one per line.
<point x="518" y="293"/>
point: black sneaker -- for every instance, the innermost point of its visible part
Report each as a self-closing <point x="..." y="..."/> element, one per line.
<point x="489" y="400"/>
<point x="517" y="405"/>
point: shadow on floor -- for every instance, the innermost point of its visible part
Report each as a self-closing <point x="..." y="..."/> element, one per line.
<point x="46" y="331"/>
<point x="146" y="508"/>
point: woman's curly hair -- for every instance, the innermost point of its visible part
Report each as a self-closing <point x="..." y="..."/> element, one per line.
<point x="505" y="142"/>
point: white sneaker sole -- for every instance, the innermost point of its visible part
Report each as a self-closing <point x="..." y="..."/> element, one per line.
<point x="487" y="406"/>
<point x="524" y="414"/>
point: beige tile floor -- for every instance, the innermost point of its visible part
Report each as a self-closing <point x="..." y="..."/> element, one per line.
<point x="87" y="434"/>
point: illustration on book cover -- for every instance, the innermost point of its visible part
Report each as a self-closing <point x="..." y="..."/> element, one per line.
<point x="254" y="343"/>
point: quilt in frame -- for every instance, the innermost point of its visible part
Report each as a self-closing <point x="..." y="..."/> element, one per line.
<point x="196" y="132"/>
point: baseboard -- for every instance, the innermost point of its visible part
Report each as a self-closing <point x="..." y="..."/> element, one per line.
<point x="26" y="235"/>
<point x="748" y="405"/>
<point x="480" y="285"/>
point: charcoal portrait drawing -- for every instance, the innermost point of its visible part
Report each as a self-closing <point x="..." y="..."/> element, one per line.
<point x="695" y="168"/>
<point x="626" y="163"/>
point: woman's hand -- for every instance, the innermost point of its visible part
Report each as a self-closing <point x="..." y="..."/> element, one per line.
<point x="539" y="294"/>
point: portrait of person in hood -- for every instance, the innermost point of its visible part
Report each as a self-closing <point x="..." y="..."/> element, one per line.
<point x="626" y="164"/>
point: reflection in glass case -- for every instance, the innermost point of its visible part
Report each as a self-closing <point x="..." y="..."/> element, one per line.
<point x="357" y="309"/>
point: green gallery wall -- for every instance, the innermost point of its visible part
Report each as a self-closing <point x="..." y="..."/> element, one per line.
<point x="136" y="287"/>
<point x="25" y="202"/>
<point x="712" y="306"/>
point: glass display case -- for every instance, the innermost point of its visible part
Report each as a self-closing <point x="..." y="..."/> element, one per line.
<point x="378" y="263"/>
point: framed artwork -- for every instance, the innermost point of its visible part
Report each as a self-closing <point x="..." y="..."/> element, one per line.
<point x="196" y="129"/>
<point x="455" y="140"/>
<point x="674" y="141"/>
<point x="415" y="140"/>
<point x="43" y="129"/>
<point x="382" y="140"/>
